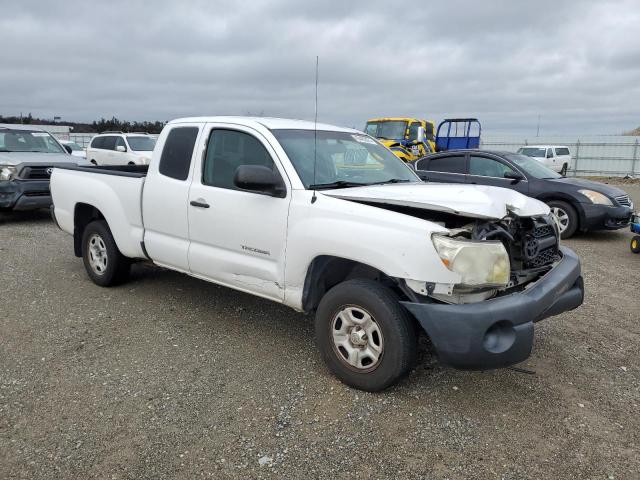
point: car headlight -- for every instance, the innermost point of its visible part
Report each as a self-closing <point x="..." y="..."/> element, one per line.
<point x="596" y="197"/>
<point x="479" y="263"/>
<point x="7" y="173"/>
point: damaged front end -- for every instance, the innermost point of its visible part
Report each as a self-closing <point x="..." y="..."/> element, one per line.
<point x="494" y="258"/>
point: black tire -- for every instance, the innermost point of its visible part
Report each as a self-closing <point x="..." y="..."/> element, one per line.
<point x="635" y="244"/>
<point x="115" y="269"/>
<point x="563" y="170"/>
<point x="571" y="216"/>
<point x="396" y="326"/>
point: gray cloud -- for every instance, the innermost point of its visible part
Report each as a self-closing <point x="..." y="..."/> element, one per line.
<point x="576" y="63"/>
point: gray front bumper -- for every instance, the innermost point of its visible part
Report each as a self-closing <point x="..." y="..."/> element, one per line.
<point x="499" y="332"/>
<point x="24" y="194"/>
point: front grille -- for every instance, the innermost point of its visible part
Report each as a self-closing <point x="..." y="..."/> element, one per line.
<point x="545" y="257"/>
<point x="543" y="231"/>
<point x="539" y="243"/>
<point x="624" y="200"/>
<point x="36" y="173"/>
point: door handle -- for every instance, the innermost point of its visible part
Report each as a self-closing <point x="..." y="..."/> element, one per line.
<point x="199" y="204"/>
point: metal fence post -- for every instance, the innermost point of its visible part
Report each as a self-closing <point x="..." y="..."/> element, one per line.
<point x="577" y="157"/>
<point x="635" y="158"/>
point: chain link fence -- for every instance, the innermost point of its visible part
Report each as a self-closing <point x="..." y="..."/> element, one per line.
<point x="615" y="156"/>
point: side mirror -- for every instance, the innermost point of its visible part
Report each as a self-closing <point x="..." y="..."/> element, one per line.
<point x="67" y="148"/>
<point x="259" y="179"/>
<point x="121" y="148"/>
<point x="513" y="175"/>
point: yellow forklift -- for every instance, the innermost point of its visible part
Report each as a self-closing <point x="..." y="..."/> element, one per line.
<point x="408" y="138"/>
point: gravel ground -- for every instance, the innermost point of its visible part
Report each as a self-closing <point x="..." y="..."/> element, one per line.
<point x="171" y="377"/>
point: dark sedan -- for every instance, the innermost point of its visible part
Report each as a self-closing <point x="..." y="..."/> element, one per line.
<point x="579" y="205"/>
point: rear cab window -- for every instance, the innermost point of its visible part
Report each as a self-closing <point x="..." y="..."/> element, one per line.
<point x="175" y="160"/>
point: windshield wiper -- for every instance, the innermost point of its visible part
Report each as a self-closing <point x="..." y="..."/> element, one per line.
<point x="392" y="180"/>
<point x="338" y="184"/>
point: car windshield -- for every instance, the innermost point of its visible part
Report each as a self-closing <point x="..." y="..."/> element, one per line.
<point x="28" y="141"/>
<point x="74" y="146"/>
<point x="533" y="152"/>
<point x="532" y="167"/>
<point x="341" y="159"/>
<point x="140" y="143"/>
<point x="394" y="129"/>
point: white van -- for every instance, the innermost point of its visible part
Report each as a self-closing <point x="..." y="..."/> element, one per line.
<point x="556" y="157"/>
<point x="117" y="148"/>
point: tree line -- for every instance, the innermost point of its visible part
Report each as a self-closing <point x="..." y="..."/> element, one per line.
<point x="96" y="126"/>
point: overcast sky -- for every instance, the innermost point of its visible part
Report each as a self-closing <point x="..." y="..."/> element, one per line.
<point x="576" y="63"/>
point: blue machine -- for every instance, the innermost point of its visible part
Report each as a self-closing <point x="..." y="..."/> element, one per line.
<point x="635" y="228"/>
<point x="458" y="133"/>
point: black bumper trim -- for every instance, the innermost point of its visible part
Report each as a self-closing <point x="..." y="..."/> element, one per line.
<point x="25" y="195"/>
<point x="499" y="332"/>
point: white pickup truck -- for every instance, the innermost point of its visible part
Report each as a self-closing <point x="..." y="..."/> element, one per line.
<point x="327" y="220"/>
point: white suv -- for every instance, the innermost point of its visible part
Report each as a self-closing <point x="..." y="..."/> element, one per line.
<point x="117" y="148"/>
<point x="556" y="157"/>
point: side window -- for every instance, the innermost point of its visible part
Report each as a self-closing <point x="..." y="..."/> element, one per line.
<point x="177" y="151"/>
<point x="226" y="151"/>
<point x="451" y="164"/>
<point x="562" y="151"/>
<point x="120" y="143"/>
<point x="413" y="131"/>
<point x="97" y="142"/>
<point x="487" y="167"/>
<point x="109" y="143"/>
<point x="549" y="152"/>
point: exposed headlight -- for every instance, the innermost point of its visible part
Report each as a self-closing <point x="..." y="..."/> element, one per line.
<point x="7" y="173"/>
<point x="596" y="197"/>
<point x="479" y="263"/>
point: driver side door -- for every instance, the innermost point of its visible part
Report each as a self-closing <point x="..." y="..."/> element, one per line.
<point x="237" y="237"/>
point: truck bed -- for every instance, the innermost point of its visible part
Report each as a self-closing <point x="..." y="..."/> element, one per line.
<point x="115" y="192"/>
<point x="134" y="171"/>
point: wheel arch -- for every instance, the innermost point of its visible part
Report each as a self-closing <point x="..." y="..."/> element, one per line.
<point x="327" y="271"/>
<point x="83" y="215"/>
<point x="563" y="197"/>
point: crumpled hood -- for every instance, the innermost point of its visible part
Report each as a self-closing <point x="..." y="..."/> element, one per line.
<point x="39" y="158"/>
<point x="478" y="201"/>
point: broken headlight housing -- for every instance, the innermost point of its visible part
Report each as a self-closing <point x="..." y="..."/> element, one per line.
<point x="479" y="263"/>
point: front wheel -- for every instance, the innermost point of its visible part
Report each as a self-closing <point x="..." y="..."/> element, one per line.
<point x="566" y="215"/>
<point x="367" y="339"/>
<point x="104" y="263"/>
<point x="635" y="244"/>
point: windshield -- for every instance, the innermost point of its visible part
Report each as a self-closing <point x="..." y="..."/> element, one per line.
<point x="74" y="146"/>
<point x="533" y="152"/>
<point x="341" y="157"/>
<point x="141" y="144"/>
<point x="28" y="141"/>
<point x="394" y="129"/>
<point x="532" y="167"/>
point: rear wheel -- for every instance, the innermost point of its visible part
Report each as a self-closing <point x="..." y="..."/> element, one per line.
<point x="566" y="215"/>
<point x="104" y="263"/>
<point x="563" y="170"/>
<point x="367" y="339"/>
<point x="635" y="244"/>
